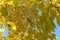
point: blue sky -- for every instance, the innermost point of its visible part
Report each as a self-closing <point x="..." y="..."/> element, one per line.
<point x="5" y="34"/>
<point x="57" y="32"/>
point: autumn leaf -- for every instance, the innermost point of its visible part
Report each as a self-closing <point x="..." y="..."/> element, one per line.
<point x="4" y="11"/>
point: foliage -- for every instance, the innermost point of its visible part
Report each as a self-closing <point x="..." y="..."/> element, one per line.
<point x="22" y="19"/>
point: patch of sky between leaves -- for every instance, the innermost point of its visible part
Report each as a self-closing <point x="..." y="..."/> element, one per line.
<point x="45" y="1"/>
<point x="35" y="28"/>
<point x="57" y="31"/>
<point x="21" y="0"/>
<point x="5" y="34"/>
<point x="28" y="26"/>
<point x="39" y="12"/>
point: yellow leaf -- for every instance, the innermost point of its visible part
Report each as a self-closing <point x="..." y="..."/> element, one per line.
<point x="9" y="2"/>
<point x="13" y="27"/>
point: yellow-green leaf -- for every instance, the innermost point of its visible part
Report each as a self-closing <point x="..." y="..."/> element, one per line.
<point x="4" y="11"/>
<point x="58" y="19"/>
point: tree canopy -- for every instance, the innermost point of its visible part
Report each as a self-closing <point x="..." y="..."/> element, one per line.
<point x="29" y="19"/>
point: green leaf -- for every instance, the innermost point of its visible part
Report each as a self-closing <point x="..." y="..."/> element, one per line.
<point x="58" y="19"/>
<point x="53" y="12"/>
<point x="41" y="6"/>
<point x="4" y="11"/>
